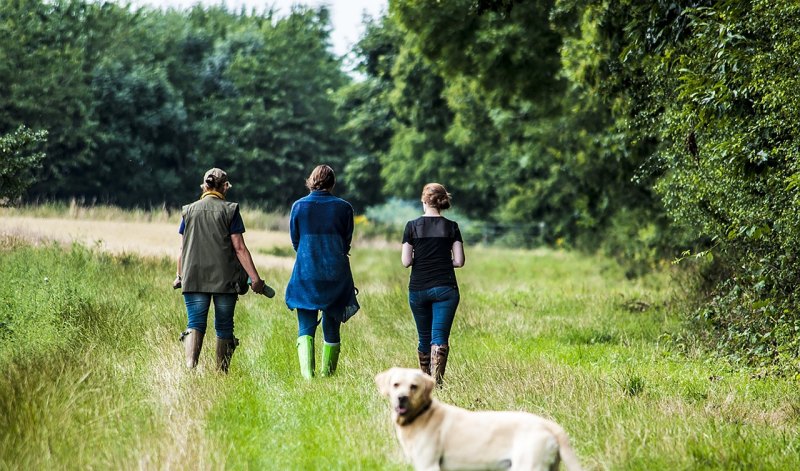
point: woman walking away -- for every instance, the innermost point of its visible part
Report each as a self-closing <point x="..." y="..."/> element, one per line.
<point x="432" y="247"/>
<point x="321" y="227"/>
<point x="213" y="253"/>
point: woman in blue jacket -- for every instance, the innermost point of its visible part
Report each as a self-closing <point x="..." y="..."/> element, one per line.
<point x="321" y="228"/>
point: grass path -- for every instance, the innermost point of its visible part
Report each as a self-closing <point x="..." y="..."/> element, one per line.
<point x="183" y="414"/>
<point x="93" y="376"/>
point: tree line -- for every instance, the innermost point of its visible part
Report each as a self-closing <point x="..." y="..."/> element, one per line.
<point x="138" y="102"/>
<point x="650" y="130"/>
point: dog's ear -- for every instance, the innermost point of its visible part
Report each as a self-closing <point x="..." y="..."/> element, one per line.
<point x="427" y="384"/>
<point x="382" y="380"/>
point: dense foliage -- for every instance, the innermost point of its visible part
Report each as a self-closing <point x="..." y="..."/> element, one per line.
<point x="719" y="89"/>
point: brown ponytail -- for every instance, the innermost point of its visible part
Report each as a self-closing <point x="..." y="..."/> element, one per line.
<point x="215" y="179"/>
<point x="321" y="178"/>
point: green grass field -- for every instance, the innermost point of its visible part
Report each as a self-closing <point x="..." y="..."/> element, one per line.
<point x="93" y="377"/>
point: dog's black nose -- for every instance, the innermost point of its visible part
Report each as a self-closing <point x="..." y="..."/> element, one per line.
<point x="402" y="401"/>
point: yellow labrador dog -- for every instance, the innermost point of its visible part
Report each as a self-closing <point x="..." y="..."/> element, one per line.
<point x="438" y="436"/>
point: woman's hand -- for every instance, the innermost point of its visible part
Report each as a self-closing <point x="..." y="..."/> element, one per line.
<point x="176" y="283"/>
<point x="257" y="286"/>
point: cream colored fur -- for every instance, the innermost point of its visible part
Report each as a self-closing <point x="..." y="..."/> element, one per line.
<point x="445" y="437"/>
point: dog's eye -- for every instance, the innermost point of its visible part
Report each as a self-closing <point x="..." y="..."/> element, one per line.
<point x="413" y="387"/>
<point x="396" y="385"/>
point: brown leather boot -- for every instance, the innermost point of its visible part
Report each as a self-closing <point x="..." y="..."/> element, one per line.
<point x="192" y="344"/>
<point x="225" y="348"/>
<point x="439" y="361"/>
<point x="424" y="362"/>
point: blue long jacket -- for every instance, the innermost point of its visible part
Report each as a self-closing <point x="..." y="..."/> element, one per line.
<point x="321" y="227"/>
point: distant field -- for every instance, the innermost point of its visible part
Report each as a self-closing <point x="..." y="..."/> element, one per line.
<point x="122" y="236"/>
<point x="91" y="373"/>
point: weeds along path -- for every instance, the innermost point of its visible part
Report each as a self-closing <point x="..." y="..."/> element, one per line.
<point x="144" y="238"/>
<point x="180" y="399"/>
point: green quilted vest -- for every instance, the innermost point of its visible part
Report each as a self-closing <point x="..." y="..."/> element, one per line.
<point x="208" y="261"/>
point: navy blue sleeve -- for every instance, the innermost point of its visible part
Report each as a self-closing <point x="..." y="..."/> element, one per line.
<point x="237" y="224"/>
<point x="349" y="236"/>
<point x="294" y="229"/>
<point x="183" y="227"/>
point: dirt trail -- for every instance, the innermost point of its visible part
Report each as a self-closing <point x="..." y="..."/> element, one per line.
<point x="149" y="239"/>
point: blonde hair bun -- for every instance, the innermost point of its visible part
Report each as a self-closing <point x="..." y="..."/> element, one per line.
<point x="436" y="196"/>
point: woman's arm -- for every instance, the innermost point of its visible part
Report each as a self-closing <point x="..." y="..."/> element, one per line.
<point x="407" y="255"/>
<point x="458" y="254"/>
<point x="177" y="282"/>
<point x="243" y="254"/>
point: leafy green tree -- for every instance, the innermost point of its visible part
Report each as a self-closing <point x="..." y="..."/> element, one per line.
<point x="271" y="114"/>
<point x="367" y="116"/>
<point x="44" y="77"/>
<point x="401" y="118"/>
<point x="141" y="136"/>
<point x="19" y="158"/>
<point x="506" y="47"/>
<point x="544" y="156"/>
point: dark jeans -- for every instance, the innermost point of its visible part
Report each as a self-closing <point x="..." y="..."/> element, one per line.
<point x="197" y="305"/>
<point x="434" y="310"/>
<point x="307" y="321"/>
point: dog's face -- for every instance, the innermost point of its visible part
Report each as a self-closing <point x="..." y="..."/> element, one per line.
<point x="408" y="390"/>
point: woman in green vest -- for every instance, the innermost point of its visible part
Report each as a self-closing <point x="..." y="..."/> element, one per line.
<point x="212" y="253"/>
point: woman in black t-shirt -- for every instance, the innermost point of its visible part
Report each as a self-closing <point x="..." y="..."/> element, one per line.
<point x="433" y="248"/>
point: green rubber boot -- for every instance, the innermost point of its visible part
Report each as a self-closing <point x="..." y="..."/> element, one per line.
<point x="330" y="357"/>
<point x="305" y="353"/>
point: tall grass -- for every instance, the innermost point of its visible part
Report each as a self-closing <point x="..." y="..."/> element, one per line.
<point x="92" y="373"/>
<point x="72" y="325"/>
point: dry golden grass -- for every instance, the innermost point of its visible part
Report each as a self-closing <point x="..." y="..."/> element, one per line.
<point x="151" y="239"/>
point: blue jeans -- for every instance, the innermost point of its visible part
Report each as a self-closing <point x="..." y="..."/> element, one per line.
<point x="197" y="305"/>
<point x="434" y="310"/>
<point x="307" y="321"/>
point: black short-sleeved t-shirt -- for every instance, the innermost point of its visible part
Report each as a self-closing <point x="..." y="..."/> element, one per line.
<point x="432" y="238"/>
